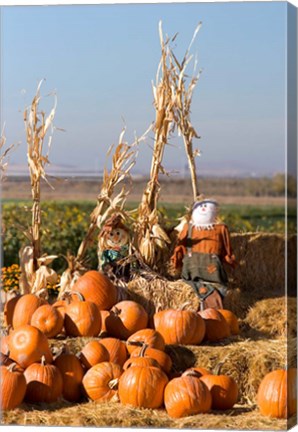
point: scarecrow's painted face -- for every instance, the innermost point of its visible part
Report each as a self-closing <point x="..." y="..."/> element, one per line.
<point x="116" y="238"/>
<point x="204" y="213"/>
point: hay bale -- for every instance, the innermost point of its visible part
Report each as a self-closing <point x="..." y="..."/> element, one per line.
<point x="261" y="258"/>
<point x="273" y="317"/>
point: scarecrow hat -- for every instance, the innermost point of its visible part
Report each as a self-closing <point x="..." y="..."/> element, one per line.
<point x="202" y="200"/>
<point x="114" y="222"/>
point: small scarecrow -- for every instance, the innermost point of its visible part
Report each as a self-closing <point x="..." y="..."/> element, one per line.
<point x="202" y="249"/>
<point x="113" y="247"/>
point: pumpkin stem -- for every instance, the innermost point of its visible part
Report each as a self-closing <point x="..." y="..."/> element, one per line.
<point x="218" y="368"/>
<point x="43" y="360"/>
<point x="143" y="350"/>
<point x="113" y="384"/>
<point x="135" y="343"/>
<point x="192" y="373"/>
<point x="80" y="295"/>
<point x="116" y="311"/>
<point x="12" y="366"/>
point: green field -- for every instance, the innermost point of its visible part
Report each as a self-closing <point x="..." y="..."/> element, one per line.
<point x="64" y="224"/>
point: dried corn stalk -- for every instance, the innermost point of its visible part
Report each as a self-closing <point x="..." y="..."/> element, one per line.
<point x="150" y="237"/>
<point x="3" y="155"/>
<point x="35" y="271"/>
<point x="184" y="95"/>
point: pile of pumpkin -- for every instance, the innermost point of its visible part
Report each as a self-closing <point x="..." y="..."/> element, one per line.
<point x="129" y="364"/>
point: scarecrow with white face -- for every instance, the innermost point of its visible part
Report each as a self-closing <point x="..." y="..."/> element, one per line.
<point x="203" y="247"/>
<point x="113" y="246"/>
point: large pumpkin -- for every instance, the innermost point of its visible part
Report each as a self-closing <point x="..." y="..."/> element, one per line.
<point x="44" y="382"/>
<point x="97" y="288"/>
<point x="101" y="382"/>
<point x="116" y="349"/>
<point x="13" y="387"/>
<point x="277" y="393"/>
<point x="24" y="309"/>
<point x="223" y="389"/>
<point x="48" y="319"/>
<point x="186" y="395"/>
<point x="92" y="353"/>
<point x="27" y="345"/>
<point x="72" y="375"/>
<point x="82" y="318"/>
<point x="149" y="337"/>
<point x="216" y="326"/>
<point x="126" y="318"/>
<point x="142" y="387"/>
<point x="182" y="327"/>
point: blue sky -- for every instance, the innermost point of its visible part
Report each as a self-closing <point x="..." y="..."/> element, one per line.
<point x="101" y="60"/>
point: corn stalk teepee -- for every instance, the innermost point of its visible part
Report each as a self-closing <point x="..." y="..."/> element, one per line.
<point x="123" y="160"/>
<point x="172" y="101"/>
<point x="35" y="273"/>
<point x="4" y="153"/>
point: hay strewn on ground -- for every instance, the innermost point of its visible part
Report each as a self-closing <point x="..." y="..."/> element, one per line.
<point x="116" y="415"/>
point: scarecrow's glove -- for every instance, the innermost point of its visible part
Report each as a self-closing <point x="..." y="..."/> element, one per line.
<point x="177" y="257"/>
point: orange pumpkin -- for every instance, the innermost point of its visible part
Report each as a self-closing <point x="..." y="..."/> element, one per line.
<point x="180" y="326"/>
<point x="149" y="337"/>
<point x="44" y="382"/>
<point x="13" y="387"/>
<point x="92" y="353"/>
<point x="72" y="375"/>
<point x="116" y="349"/>
<point x="142" y="387"/>
<point x="231" y="319"/>
<point x="27" y="345"/>
<point x="97" y="288"/>
<point x="24" y="309"/>
<point x="82" y="318"/>
<point x="126" y="318"/>
<point x="223" y="389"/>
<point x="162" y="358"/>
<point x="277" y="393"/>
<point x="48" y="320"/>
<point x="101" y="382"/>
<point x="216" y="326"/>
<point x="185" y="396"/>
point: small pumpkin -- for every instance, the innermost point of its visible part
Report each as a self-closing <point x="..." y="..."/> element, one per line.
<point x="150" y="337"/>
<point x="162" y="358"/>
<point x="44" y="382"/>
<point x="116" y="349"/>
<point x="185" y="396"/>
<point x="217" y="327"/>
<point x="97" y="288"/>
<point x="13" y="387"/>
<point x="72" y="374"/>
<point x="142" y="387"/>
<point x="92" y="353"/>
<point x="101" y="382"/>
<point x="82" y="318"/>
<point x="24" y="309"/>
<point x="231" y="319"/>
<point x="182" y="327"/>
<point x="48" y="320"/>
<point x="126" y="318"/>
<point x="277" y="393"/>
<point x="27" y="344"/>
<point x="223" y="389"/>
